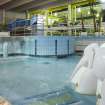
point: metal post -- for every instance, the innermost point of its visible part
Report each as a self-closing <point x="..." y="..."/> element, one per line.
<point x="75" y="13"/>
<point x="35" y="47"/>
<point x="69" y="18"/>
<point x="56" y="47"/>
<point x="46" y="22"/>
<point x="68" y="47"/>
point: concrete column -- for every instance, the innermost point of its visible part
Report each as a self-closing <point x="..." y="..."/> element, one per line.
<point x="69" y="17"/>
<point x="46" y="22"/>
<point x="46" y="18"/>
<point x="4" y="16"/>
<point x="69" y="13"/>
<point x="51" y="24"/>
<point x="28" y="15"/>
<point x="75" y="17"/>
<point x="75" y="13"/>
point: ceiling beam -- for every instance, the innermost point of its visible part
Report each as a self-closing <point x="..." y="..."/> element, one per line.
<point x="2" y="2"/>
<point x="16" y="3"/>
<point x="52" y="7"/>
<point x="35" y="4"/>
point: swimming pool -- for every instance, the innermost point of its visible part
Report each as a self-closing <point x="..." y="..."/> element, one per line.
<point x="31" y="76"/>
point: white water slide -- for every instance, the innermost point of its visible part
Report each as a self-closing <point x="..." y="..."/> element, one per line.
<point x="83" y="78"/>
<point x="89" y="76"/>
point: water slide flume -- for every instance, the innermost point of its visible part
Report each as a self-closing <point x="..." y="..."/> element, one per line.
<point x="83" y="78"/>
<point x="89" y="76"/>
<point x="99" y="71"/>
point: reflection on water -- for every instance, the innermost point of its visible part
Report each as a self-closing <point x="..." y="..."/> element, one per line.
<point x="58" y="97"/>
<point x="5" y="48"/>
<point x="29" y="77"/>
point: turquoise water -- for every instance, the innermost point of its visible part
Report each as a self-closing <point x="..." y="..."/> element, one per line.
<point x="35" y="75"/>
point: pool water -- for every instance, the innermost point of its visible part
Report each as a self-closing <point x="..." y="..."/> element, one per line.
<point x="23" y="80"/>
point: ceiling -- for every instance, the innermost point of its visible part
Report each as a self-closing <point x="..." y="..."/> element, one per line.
<point x="23" y="5"/>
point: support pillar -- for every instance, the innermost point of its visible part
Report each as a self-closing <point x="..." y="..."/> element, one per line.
<point x="69" y="18"/>
<point x="75" y="18"/>
<point x="28" y="15"/>
<point x="75" y="13"/>
<point x="46" y="23"/>
<point x="4" y="17"/>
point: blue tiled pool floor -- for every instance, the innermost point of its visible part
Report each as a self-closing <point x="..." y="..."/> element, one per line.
<point x="32" y="76"/>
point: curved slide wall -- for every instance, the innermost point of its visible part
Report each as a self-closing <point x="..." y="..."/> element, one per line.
<point x="47" y="46"/>
<point x="39" y="45"/>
